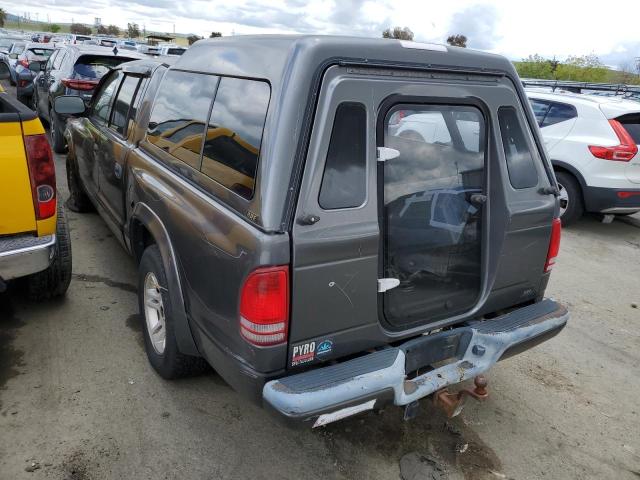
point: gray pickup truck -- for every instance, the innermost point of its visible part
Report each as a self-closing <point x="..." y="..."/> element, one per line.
<point x="334" y="224"/>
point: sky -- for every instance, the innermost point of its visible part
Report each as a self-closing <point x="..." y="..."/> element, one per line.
<point x="512" y="28"/>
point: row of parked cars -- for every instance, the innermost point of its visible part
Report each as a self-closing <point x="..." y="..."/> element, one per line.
<point x="333" y="234"/>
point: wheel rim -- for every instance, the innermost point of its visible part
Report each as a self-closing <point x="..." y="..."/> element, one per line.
<point x="52" y="127"/>
<point x="154" y="313"/>
<point x="564" y="199"/>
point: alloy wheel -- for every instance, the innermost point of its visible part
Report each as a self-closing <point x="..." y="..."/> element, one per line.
<point x="564" y="199"/>
<point x="154" y="313"/>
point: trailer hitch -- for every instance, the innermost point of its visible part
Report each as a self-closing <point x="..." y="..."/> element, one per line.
<point x="452" y="403"/>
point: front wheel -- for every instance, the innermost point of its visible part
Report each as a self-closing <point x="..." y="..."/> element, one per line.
<point x="571" y="204"/>
<point x="54" y="281"/>
<point x="158" y="325"/>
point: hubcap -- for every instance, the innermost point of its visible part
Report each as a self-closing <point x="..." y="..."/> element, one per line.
<point x="564" y="199"/>
<point x="154" y="313"/>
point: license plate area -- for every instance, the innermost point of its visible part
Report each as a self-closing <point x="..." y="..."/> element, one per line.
<point x="429" y="350"/>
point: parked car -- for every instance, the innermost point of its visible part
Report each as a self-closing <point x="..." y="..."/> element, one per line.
<point x="77" y="39"/>
<point x="128" y="45"/>
<point x="322" y="264"/>
<point x="592" y="142"/>
<point x="73" y="69"/>
<point x="172" y="50"/>
<point x="10" y="59"/>
<point x="33" y="52"/>
<point x="35" y="244"/>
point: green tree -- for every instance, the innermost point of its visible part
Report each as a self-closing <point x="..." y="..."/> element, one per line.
<point x="113" y="30"/>
<point x="586" y="68"/>
<point x="101" y="30"/>
<point x="215" y="35"/>
<point x="535" y="66"/>
<point x="398" y="33"/>
<point x="193" y="39"/>
<point x="133" y="30"/>
<point x="80" y="29"/>
<point x="457" y="40"/>
<point x="3" y="17"/>
<point x="55" y="28"/>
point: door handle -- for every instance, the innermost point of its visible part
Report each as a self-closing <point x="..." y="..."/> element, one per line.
<point x="549" y="191"/>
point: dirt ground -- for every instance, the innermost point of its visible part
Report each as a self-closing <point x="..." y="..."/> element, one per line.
<point x="78" y="399"/>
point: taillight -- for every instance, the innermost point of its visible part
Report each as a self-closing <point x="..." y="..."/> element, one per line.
<point x="83" y="85"/>
<point x="623" y="152"/>
<point x="264" y="306"/>
<point x="24" y="63"/>
<point x="43" y="175"/>
<point x="554" y="245"/>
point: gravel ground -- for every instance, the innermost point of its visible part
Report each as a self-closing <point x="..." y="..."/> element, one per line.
<point x="78" y="399"/>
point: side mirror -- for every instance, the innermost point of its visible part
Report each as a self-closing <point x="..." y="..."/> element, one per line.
<point x="36" y="66"/>
<point x="4" y="71"/>
<point x="13" y="56"/>
<point x="71" y="105"/>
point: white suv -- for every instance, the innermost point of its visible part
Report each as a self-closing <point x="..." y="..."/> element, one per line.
<point x="592" y="142"/>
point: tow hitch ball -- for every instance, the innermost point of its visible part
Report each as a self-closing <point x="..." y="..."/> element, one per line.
<point x="452" y="403"/>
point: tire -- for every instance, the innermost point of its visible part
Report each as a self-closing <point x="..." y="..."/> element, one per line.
<point x="54" y="281"/>
<point x="57" y="138"/>
<point x="166" y="359"/>
<point x="78" y="200"/>
<point x="571" y="197"/>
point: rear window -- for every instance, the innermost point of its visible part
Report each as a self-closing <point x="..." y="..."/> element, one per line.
<point x="18" y="48"/>
<point x="234" y="133"/>
<point x="520" y="161"/>
<point x="631" y="124"/>
<point x="175" y="51"/>
<point x="81" y="38"/>
<point x="95" y="66"/>
<point x="549" y="113"/>
<point x="38" y="53"/>
<point x="180" y="113"/>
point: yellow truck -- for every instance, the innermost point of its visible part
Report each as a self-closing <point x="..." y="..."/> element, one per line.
<point x="34" y="236"/>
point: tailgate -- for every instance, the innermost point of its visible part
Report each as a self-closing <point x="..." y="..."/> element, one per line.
<point x="16" y="202"/>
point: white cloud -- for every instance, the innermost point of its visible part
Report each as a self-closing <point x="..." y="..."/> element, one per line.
<point x="515" y="29"/>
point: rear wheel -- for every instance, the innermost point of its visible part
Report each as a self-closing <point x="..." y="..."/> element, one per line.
<point x="54" y="281"/>
<point x="571" y="203"/>
<point x="158" y="326"/>
<point x="57" y="138"/>
<point x="78" y="199"/>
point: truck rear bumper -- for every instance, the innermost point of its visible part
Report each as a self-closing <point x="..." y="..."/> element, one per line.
<point x="22" y="255"/>
<point x="393" y="375"/>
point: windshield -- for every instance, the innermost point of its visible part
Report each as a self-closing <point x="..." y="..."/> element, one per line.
<point x="39" y="53"/>
<point x="95" y="66"/>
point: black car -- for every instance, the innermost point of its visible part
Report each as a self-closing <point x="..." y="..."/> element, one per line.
<point x="72" y="70"/>
<point x="321" y="261"/>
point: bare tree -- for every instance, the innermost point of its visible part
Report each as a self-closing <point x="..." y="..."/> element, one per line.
<point x="3" y="17"/>
<point x="113" y="30"/>
<point x="398" y="33"/>
<point x="457" y="40"/>
<point x="215" y="35"/>
<point x="193" y="39"/>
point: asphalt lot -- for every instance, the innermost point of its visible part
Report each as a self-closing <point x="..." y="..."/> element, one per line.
<point x="78" y="399"/>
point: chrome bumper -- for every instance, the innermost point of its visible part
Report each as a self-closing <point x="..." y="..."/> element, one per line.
<point x="22" y="255"/>
<point x="330" y="393"/>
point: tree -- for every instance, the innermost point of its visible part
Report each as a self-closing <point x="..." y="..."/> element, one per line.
<point x="113" y="30"/>
<point x="80" y="29"/>
<point x="535" y="66"/>
<point x="398" y="33"/>
<point x="457" y="40"/>
<point x="133" y="30"/>
<point x="215" y="35"/>
<point x="3" y="17"/>
<point x="193" y="39"/>
<point x="587" y="68"/>
<point x="55" y="28"/>
<point x="101" y="30"/>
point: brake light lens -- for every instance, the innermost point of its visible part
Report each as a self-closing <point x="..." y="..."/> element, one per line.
<point x="43" y="175"/>
<point x="24" y="62"/>
<point x="554" y="245"/>
<point x="83" y="85"/>
<point x="621" y="153"/>
<point x="264" y="306"/>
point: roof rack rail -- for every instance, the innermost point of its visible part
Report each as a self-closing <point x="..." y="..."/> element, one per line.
<point x="578" y="87"/>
